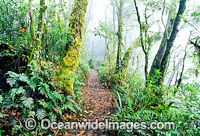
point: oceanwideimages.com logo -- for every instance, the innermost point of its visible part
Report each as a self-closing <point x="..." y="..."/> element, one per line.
<point x="46" y="124"/>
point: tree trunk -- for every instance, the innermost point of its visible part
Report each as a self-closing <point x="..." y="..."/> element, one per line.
<point x="162" y="57"/>
<point x="59" y="22"/>
<point x="73" y="50"/>
<point x="40" y="24"/>
<point x="120" y="35"/>
<point x="114" y="29"/>
<point x="32" y="30"/>
<point x="126" y="58"/>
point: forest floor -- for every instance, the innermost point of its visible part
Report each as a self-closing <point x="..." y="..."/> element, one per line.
<point x="100" y="104"/>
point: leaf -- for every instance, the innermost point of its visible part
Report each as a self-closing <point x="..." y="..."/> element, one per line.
<point x="32" y="114"/>
<point x="23" y="78"/>
<point x="69" y="106"/>
<point x="43" y="103"/>
<point x="42" y="90"/>
<point x="12" y="74"/>
<point x="32" y="84"/>
<point x="12" y="81"/>
<point x="17" y="127"/>
<point x="2" y="115"/>
<point x="1" y="98"/>
<point x="21" y="90"/>
<point x="41" y="114"/>
<point x="28" y="102"/>
<point x="57" y="95"/>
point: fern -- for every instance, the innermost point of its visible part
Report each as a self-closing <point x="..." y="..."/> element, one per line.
<point x="12" y="74"/>
<point x="32" y="84"/>
<point x="53" y="98"/>
<point x="42" y="90"/>
<point x="43" y="103"/>
<point x="68" y="105"/>
<point x="17" y="91"/>
<point x="23" y="78"/>
<point x="12" y="82"/>
<point x="28" y="102"/>
<point x="32" y="114"/>
<point x="1" y="98"/>
<point x="58" y="96"/>
<point x="41" y="114"/>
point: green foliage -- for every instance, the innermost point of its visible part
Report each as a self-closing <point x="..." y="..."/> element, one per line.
<point x="140" y="104"/>
<point x="81" y="75"/>
<point x="38" y="93"/>
<point x="104" y="30"/>
<point x="196" y="14"/>
<point x="105" y="73"/>
<point x="13" y="20"/>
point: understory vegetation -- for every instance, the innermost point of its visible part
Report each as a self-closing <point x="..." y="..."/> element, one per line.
<point x="137" y="103"/>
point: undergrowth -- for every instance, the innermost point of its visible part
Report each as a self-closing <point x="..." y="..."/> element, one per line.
<point x="138" y="103"/>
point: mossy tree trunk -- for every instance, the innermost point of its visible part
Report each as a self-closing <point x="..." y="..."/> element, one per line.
<point x="45" y="42"/>
<point x="114" y="36"/>
<point x="119" y="34"/>
<point x="73" y="49"/>
<point x="126" y="58"/>
<point x="161" y="51"/>
<point x="32" y="29"/>
<point x="162" y="57"/>
<point x="59" y="21"/>
<point x="145" y="40"/>
<point x="40" y="28"/>
<point x="32" y="24"/>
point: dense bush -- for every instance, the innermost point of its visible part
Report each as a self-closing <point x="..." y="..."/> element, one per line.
<point x="39" y="95"/>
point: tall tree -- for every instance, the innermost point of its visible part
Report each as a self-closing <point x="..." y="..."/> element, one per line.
<point x="144" y="39"/>
<point x="120" y="6"/>
<point x="32" y="25"/>
<point x="73" y="48"/>
<point x="162" y="57"/>
<point x="40" y="28"/>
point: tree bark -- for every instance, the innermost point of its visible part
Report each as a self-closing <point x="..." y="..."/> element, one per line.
<point x="126" y="58"/>
<point x="162" y="57"/>
<point x="40" y="24"/>
<point x="73" y="50"/>
<point x="119" y="35"/>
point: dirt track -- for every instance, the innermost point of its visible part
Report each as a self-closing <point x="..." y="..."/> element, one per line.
<point x="100" y="104"/>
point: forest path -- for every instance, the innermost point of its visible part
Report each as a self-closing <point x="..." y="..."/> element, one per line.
<point x="100" y="103"/>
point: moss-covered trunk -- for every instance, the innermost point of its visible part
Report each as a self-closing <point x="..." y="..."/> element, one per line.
<point x="126" y="58"/>
<point x="32" y="30"/>
<point x="40" y="24"/>
<point x="171" y="39"/>
<point x="120" y="35"/>
<point x="73" y="50"/>
<point x="162" y="57"/>
<point x="59" y="21"/>
<point x="32" y="24"/>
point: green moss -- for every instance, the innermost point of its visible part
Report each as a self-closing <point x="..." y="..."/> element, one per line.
<point x="40" y="24"/>
<point x="59" y="21"/>
<point x="71" y="59"/>
<point x="126" y="58"/>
